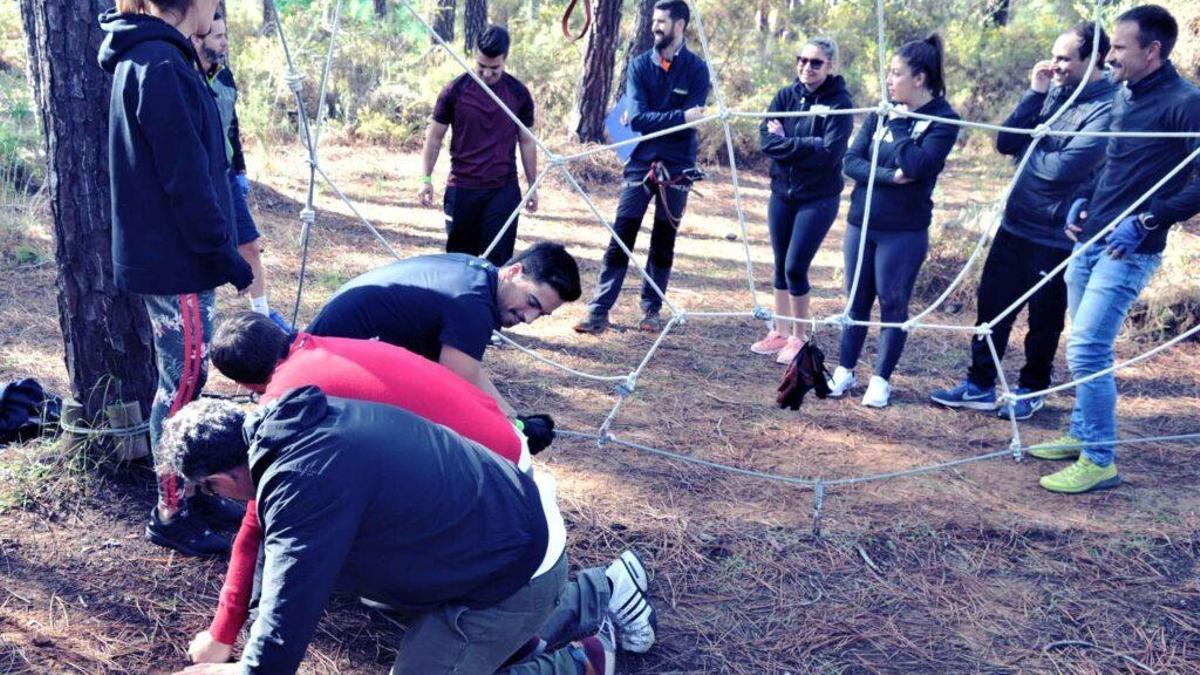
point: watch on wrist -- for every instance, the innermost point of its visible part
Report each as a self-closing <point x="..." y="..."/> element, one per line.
<point x="1148" y="221"/>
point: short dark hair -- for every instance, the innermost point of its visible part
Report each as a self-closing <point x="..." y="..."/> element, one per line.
<point x="548" y="262"/>
<point x="493" y="42"/>
<point x="678" y="9"/>
<point x="1086" y="32"/>
<point x="247" y="345"/>
<point x="202" y="439"/>
<point x="927" y="56"/>
<point x="1154" y="24"/>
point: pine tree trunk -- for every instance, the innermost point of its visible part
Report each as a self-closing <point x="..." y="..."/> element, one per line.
<point x="474" y="22"/>
<point x="443" y="20"/>
<point x="641" y="40"/>
<point x="106" y="333"/>
<point x="381" y="8"/>
<point x="599" y="57"/>
<point x="268" y="17"/>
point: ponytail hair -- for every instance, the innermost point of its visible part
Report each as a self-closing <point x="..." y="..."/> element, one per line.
<point x="828" y="45"/>
<point x="927" y="56"/>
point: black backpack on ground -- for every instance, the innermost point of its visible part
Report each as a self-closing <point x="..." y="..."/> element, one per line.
<point x="26" y="411"/>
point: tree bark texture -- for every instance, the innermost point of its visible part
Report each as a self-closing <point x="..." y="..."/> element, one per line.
<point x="268" y="17"/>
<point x="599" y="59"/>
<point x="106" y="333"/>
<point x="381" y="8"/>
<point x="641" y="40"/>
<point x="475" y="18"/>
<point x="443" y="20"/>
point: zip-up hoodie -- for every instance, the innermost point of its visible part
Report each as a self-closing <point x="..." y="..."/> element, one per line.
<point x="375" y="501"/>
<point x="659" y="99"/>
<point x="806" y="162"/>
<point x="173" y="230"/>
<point x="919" y="147"/>
<point x="1043" y="193"/>
<point x="1161" y="101"/>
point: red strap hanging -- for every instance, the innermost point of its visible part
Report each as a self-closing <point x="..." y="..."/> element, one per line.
<point x="587" y="20"/>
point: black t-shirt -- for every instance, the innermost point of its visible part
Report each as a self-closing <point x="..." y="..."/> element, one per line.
<point x="420" y="304"/>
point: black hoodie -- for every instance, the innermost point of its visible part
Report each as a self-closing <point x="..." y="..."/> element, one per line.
<point x="173" y="230"/>
<point x="806" y="162"/>
<point x="919" y="147"/>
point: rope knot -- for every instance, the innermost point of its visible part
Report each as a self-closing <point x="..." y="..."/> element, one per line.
<point x="1040" y="130"/>
<point x="625" y="389"/>
<point x="294" y="81"/>
<point x="907" y="326"/>
<point x="983" y="329"/>
<point x="842" y="321"/>
<point x="308" y="216"/>
<point x="762" y="313"/>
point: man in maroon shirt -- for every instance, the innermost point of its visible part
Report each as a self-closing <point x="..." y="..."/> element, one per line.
<point x="482" y="190"/>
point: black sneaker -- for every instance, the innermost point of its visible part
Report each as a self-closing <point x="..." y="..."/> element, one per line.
<point x="186" y="533"/>
<point x="595" y="324"/>
<point x="218" y="512"/>
<point x="652" y="322"/>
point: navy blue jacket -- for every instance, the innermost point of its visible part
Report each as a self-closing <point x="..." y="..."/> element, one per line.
<point x="659" y="99"/>
<point x="373" y="500"/>
<point x="919" y="148"/>
<point x="806" y="162"/>
<point x="1162" y="101"/>
<point x="173" y="230"/>
<point x="1043" y="193"/>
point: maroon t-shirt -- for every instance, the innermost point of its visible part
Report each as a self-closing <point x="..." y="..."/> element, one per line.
<point x="483" y="138"/>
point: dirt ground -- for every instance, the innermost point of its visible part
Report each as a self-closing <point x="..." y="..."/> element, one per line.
<point x="973" y="569"/>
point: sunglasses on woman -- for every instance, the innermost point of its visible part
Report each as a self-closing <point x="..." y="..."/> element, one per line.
<point x="804" y="61"/>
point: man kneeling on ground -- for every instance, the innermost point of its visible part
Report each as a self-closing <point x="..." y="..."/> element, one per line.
<point x="370" y="499"/>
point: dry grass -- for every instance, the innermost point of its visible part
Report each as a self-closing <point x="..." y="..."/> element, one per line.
<point x="971" y="570"/>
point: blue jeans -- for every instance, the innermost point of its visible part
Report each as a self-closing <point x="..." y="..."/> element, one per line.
<point x="1100" y="292"/>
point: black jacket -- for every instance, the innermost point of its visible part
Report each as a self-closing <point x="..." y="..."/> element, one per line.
<point x="919" y="148"/>
<point x="806" y="162"/>
<point x="375" y="501"/>
<point x="1042" y="195"/>
<point x="1162" y="101"/>
<point x="173" y="230"/>
<point x="659" y="99"/>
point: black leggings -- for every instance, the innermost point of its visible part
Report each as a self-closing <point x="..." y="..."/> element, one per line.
<point x="890" y="264"/>
<point x="797" y="229"/>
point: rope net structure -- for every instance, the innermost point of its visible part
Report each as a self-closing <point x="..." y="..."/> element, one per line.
<point x="625" y="385"/>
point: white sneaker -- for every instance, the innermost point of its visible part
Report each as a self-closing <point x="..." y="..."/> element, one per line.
<point x="628" y="604"/>
<point x="841" y="382"/>
<point x="878" y="393"/>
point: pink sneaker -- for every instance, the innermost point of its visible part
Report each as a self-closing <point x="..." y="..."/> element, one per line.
<point x="789" y="350"/>
<point x="770" y="344"/>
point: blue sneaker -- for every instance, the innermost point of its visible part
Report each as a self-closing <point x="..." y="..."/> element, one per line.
<point x="279" y="320"/>
<point x="1024" y="407"/>
<point x="966" y="395"/>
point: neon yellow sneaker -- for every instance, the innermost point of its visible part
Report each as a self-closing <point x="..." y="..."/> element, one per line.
<point x="1063" y="447"/>
<point x="1082" y="476"/>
